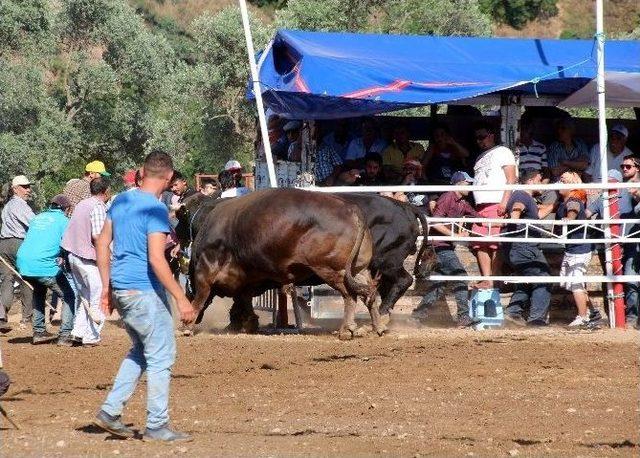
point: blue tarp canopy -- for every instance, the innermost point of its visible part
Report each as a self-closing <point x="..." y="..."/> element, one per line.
<point x="316" y="75"/>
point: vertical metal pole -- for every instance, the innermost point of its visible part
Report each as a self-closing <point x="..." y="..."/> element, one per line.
<point x="258" y="94"/>
<point x="604" y="166"/>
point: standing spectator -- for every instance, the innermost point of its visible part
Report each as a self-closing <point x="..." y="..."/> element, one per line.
<point x="77" y="190"/>
<point x="630" y="168"/>
<point x="452" y="204"/>
<point x="444" y="155"/>
<point x="208" y="187"/>
<point x="577" y="256"/>
<point x="294" y="151"/>
<point x="129" y="179"/>
<point x="277" y="138"/>
<point x="180" y="187"/>
<point x="401" y="150"/>
<point x="16" y="217"/>
<point x="339" y="137"/>
<point x="616" y="152"/>
<point x="530" y="153"/>
<point x="229" y="185"/>
<point x="328" y="161"/>
<point x="39" y="262"/>
<point x="79" y="241"/>
<point x="235" y="168"/>
<point x="137" y="224"/>
<point x="526" y="258"/>
<point x="369" y="142"/>
<point x="496" y="166"/>
<point x="567" y="153"/>
<point x="632" y="264"/>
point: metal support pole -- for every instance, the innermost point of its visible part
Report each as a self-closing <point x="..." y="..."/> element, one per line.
<point x="604" y="165"/>
<point x="258" y="94"/>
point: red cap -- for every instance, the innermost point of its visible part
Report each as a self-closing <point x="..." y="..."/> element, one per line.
<point x="129" y="177"/>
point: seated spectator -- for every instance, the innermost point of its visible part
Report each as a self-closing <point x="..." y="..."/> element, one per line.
<point x="452" y="204"/>
<point x="443" y="156"/>
<point x="616" y="152"/>
<point x="577" y="256"/>
<point x="526" y="259"/>
<point x="339" y="137"/>
<point x="531" y="153"/>
<point x="208" y="187"/>
<point x="277" y="138"/>
<point x="630" y="168"/>
<point x="496" y="166"/>
<point x="547" y="200"/>
<point x="370" y="176"/>
<point x="38" y="261"/>
<point x="369" y="142"/>
<point x="229" y="185"/>
<point x="328" y="161"/>
<point x="294" y="151"/>
<point x="401" y="150"/>
<point x="567" y="153"/>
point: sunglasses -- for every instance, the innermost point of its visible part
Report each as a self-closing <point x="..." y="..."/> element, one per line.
<point x="25" y="186"/>
<point x="627" y="166"/>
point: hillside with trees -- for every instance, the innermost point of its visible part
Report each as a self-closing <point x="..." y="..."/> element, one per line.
<point x="113" y="79"/>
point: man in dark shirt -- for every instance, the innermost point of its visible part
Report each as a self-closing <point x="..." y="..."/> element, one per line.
<point x="526" y="259"/>
<point x="452" y="204"/>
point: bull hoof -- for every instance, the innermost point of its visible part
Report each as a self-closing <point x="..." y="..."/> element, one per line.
<point x="362" y="331"/>
<point x="380" y="330"/>
<point x="187" y="332"/>
<point x="251" y="325"/>
<point x="233" y="327"/>
<point x="345" y="334"/>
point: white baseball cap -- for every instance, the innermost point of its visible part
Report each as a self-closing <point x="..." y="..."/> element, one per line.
<point x="20" y="180"/>
<point x="622" y="130"/>
<point x="232" y="165"/>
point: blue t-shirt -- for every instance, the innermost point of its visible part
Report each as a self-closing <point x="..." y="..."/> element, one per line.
<point x="38" y="254"/>
<point x="135" y="215"/>
<point x="575" y="248"/>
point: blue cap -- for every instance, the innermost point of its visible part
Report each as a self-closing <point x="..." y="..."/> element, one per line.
<point x="461" y="176"/>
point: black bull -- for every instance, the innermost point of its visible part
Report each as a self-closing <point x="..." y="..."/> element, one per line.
<point x="394" y="230"/>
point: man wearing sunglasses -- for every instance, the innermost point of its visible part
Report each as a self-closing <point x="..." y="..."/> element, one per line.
<point x="16" y="216"/>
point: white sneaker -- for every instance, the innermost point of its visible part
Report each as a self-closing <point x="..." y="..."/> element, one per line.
<point x="579" y="321"/>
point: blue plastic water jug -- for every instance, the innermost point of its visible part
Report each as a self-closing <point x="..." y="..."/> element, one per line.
<point x="485" y="306"/>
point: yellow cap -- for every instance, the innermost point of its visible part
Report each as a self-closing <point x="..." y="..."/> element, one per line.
<point x="97" y="167"/>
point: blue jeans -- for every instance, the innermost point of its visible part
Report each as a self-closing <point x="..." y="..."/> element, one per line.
<point x="448" y="264"/>
<point x="632" y="290"/>
<point x="147" y="319"/>
<point x="59" y="285"/>
<point x="529" y="261"/>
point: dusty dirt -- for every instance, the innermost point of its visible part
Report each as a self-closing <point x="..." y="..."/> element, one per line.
<point x="413" y="392"/>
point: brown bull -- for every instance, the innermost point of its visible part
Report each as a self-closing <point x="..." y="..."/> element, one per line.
<point x="277" y="237"/>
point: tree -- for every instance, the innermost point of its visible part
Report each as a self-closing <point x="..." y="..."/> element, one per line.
<point x="517" y="13"/>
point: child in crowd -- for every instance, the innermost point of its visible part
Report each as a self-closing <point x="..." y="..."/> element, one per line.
<point x="577" y="255"/>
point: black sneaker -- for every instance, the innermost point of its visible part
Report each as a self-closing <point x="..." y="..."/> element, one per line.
<point x="112" y="425"/>
<point x="42" y="337"/>
<point x="5" y="327"/>
<point x="537" y="323"/>
<point x="514" y="320"/>
<point x="595" y="315"/>
<point x="67" y="341"/>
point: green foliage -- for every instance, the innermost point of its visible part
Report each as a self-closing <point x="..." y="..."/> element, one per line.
<point x="435" y="17"/>
<point x="328" y="15"/>
<point x="24" y="24"/>
<point x="517" y="13"/>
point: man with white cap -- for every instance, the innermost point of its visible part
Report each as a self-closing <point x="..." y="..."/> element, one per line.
<point x="616" y="152"/>
<point x="16" y="216"/>
<point x="78" y="190"/>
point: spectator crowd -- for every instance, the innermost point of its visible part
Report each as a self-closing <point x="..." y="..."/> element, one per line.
<point x="52" y="254"/>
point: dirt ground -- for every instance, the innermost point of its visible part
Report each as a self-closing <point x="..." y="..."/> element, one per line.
<point x="414" y="392"/>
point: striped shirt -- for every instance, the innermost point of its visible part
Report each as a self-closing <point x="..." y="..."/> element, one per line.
<point x="533" y="156"/>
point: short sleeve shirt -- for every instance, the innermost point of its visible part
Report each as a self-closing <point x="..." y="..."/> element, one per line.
<point x="449" y="205"/>
<point x="38" y="254"/>
<point x="575" y="234"/>
<point x="134" y="215"/>
<point x="530" y="211"/>
<point x="488" y="170"/>
<point x="394" y="157"/>
<point x="357" y="150"/>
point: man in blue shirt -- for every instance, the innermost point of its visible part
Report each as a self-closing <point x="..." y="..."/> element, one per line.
<point x="526" y="258"/>
<point x="138" y="278"/>
<point x="38" y="261"/>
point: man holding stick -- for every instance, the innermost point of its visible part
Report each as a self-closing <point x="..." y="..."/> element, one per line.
<point x="137" y="224"/>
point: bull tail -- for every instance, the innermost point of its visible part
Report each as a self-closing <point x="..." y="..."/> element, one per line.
<point x="360" y="289"/>
<point x="426" y="264"/>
